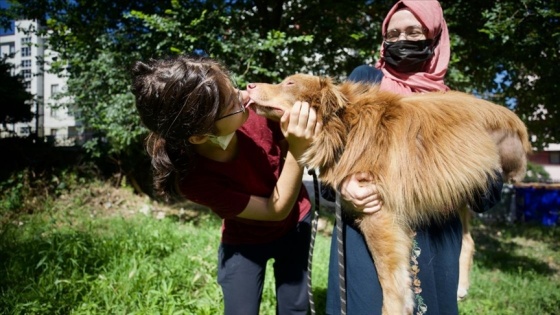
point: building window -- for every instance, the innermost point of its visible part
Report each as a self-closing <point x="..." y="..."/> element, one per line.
<point x="54" y="131"/>
<point x="25" y="40"/>
<point x="25" y="51"/>
<point x="26" y="63"/>
<point x="26" y="73"/>
<point x="72" y="131"/>
<point x="554" y="157"/>
<point x="7" y="49"/>
<point x="27" y="85"/>
<point x="25" y="131"/>
<point x="55" y="88"/>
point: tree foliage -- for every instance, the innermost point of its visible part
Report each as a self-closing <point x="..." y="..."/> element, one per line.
<point x="16" y="101"/>
<point x="500" y="49"/>
<point x="510" y="50"/>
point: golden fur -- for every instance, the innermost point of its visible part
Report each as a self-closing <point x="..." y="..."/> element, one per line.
<point x="429" y="154"/>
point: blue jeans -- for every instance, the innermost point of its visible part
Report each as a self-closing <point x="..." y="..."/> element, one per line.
<point x="440" y="247"/>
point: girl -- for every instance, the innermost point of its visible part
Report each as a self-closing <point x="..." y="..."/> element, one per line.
<point x="207" y="145"/>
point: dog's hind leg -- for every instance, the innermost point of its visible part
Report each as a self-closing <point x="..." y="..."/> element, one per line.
<point x="513" y="157"/>
<point x="467" y="253"/>
<point x="390" y="245"/>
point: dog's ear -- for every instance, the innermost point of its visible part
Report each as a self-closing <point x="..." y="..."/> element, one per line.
<point x="328" y="146"/>
<point x="332" y="100"/>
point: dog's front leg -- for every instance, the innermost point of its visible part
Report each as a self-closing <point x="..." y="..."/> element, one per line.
<point x="390" y="243"/>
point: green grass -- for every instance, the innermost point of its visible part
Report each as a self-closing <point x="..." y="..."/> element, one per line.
<point x="516" y="271"/>
<point x="109" y="266"/>
<point x="92" y="251"/>
<point x="77" y="257"/>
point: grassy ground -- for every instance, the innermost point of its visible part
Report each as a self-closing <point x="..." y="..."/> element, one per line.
<point x="98" y="250"/>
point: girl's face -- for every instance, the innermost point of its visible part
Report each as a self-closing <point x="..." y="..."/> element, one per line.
<point x="234" y="114"/>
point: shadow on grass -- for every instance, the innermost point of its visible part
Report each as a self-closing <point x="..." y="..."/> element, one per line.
<point x="495" y="248"/>
<point x="46" y="274"/>
<point x="320" y="300"/>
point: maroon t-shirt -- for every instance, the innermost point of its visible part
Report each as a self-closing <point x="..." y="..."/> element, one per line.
<point x="225" y="187"/>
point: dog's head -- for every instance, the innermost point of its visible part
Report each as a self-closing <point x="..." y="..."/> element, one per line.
<point x="329" y="101"/>
<point x="272" y="100"/>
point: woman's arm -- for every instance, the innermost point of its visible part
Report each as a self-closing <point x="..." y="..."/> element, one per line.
<point x="299" y="127"/>
<point x="487" y="199"/>
<point x="359" y="192"/>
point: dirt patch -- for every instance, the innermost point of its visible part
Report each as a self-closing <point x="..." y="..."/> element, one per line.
<point x="104" y="200"/>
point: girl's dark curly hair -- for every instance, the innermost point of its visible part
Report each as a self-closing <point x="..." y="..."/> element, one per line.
<point x="177" y="97"/>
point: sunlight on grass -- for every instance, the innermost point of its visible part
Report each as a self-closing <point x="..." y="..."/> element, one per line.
<point x="516" y="271"/>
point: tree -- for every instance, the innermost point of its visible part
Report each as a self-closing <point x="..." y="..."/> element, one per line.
<point x="16" y="104"/>
<point x="268" y="40"/>
<point x="498" y="50"/>
<point x="510" y="51"/>
<point x="96" y="44"/>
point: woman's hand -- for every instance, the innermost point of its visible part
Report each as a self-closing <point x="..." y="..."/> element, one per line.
<point x="360" y="191"/>
<point x="300" y="126"/>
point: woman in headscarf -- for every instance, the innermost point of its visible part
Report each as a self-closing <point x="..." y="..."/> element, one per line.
<point x="414" y="59"/>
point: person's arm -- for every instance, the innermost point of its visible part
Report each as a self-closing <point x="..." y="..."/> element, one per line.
<point x="299" y="127"/>
<point x="487" y="199"/>
<point x="359" y="191"/>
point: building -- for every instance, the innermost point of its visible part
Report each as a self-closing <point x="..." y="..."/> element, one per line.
<point x="549" y="158"/>
<point x="54" y="118"/>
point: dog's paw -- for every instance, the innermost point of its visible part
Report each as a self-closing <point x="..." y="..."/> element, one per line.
<point x="462" y="294"/>
<point x="409" y="303"/>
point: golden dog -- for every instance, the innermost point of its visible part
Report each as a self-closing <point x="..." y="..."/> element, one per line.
<point x="429" y="154"/>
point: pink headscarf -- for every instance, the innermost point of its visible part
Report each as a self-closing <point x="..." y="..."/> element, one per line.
<point x="430" y="14"/>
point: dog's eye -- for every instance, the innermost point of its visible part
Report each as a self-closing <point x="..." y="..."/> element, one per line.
<point x="290" y="83"/>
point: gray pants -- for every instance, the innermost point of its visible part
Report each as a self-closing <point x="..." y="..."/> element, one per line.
<point x="241" y="273"/>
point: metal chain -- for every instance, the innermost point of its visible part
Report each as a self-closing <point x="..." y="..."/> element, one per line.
<point x="340" y="248"/>
<point x="314" y="221"/>
<point x="341" y="258"/>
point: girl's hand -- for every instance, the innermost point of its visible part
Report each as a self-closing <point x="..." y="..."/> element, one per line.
<point x="300" y="126"/>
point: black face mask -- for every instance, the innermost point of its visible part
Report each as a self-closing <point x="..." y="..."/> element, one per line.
<point x="408" y="55"/>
